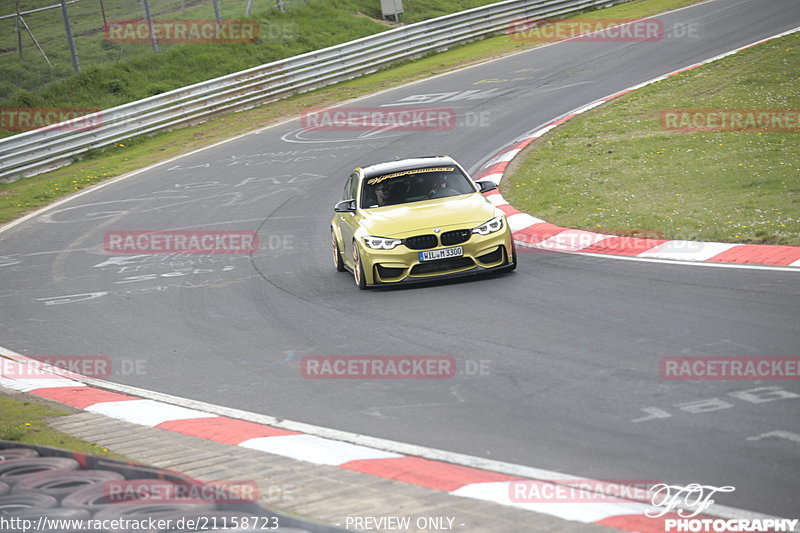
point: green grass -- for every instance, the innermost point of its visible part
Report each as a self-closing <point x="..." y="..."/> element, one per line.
<point x="116" y="73"/>
<point x="26" y="195"/>
<point x="26" y="421"/>
<point x="615" y="169"/>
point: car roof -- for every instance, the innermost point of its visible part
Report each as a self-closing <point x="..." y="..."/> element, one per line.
<point x="405" y="164"/>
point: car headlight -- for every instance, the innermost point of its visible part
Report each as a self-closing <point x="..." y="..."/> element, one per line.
<point x="381" y="243"/>
<point x="496" y="224"/>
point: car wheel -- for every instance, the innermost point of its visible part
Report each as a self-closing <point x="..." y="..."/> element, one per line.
<point x="358" y="268"/>
<point x="337" y="256"/>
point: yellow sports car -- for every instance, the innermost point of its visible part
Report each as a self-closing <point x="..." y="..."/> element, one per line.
<point x="416" y="220"/>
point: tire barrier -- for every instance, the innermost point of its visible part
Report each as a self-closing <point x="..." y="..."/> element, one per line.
<point x="155" y="509"/>
<point x="52" y="491"/>
<point x="60" y="484"/>
<point x="13" y="504"/>
<point x="15" y="453"/>
<point x="55" y="513"/>
<point x="95" y="497"/>
<point x="12" y="470"/>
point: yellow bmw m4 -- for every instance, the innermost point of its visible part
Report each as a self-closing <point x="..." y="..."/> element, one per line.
<point x="416" y="220"/>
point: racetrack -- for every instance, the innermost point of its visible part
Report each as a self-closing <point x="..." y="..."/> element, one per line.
<point x="572" y="343"/>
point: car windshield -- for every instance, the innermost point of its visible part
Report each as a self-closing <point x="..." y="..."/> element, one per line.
<point x="414" y="185"/>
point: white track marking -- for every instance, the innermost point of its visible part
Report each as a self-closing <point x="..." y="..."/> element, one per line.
<point x="686" y="263"/>
<point x="671" y="252"/>
<point x="321" y="451"/>
<point x="778" y="435"/>
<point x="497" y="199"/>
<point x="571" y="240"/>
<point x="26" y="385"/>
<point x="146" y="412"/>
<point x="270" y="126"/>
<point x="687" y="250"/>
<point x="188" y="409"/>
<point x="520" y="221"/>
<point x="498" y="492"/>
<point x="407" y="449"/>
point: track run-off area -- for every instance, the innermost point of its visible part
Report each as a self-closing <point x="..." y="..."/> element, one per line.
<point x="558" y="363"/>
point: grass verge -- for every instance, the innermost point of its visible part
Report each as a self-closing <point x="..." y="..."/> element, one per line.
<point x="615" y="169"/>
<point x="114" y="73"/>
<point x="25" y="420"/>
<point x="26" y="195"/>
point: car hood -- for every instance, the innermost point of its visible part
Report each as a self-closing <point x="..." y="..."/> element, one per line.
<point x="405" y="220"/>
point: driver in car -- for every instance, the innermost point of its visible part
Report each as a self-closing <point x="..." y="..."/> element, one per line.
<point x="439" y="183"/>
<point x="382" y="192"/>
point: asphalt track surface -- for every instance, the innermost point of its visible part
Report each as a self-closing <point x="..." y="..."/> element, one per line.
<point x="570" y="344"/>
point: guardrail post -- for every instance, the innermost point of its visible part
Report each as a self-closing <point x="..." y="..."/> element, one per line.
<point x="70" y="39"/>
<point x="18" y="27"/>
<point x="149" y="16"/>
<point x="103" y="13"/>
<point x="31" y="152"/>
<point x="216" y="11"/>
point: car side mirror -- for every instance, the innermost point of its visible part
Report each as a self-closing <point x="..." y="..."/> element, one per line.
<point x="345" y="206"/>
<point x="487" y="186"/>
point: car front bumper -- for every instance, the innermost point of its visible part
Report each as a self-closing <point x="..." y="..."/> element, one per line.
<point x="401" y="265"/>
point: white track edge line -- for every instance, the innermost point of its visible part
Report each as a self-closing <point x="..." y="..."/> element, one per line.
<point x="132" y="173"/>
<point x="547" y="126"/>
<point x="384" y="444"/>
<point x="373" y="442"/>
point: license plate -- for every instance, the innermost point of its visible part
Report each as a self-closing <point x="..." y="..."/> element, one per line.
<point x="444" y="253"/>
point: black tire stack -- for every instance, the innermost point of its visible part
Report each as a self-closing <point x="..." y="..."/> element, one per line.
<point x="38" y="483"/>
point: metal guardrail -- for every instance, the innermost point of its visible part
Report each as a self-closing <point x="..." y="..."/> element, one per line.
<point x="40" y="150"/>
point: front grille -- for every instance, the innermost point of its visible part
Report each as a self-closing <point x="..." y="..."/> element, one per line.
<point x="440" y="265"/>
<point x="456" y="237"/>
<point x="390" y="272"/>
<point x="492" y="257"/>
<point x="421" y="242"/>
